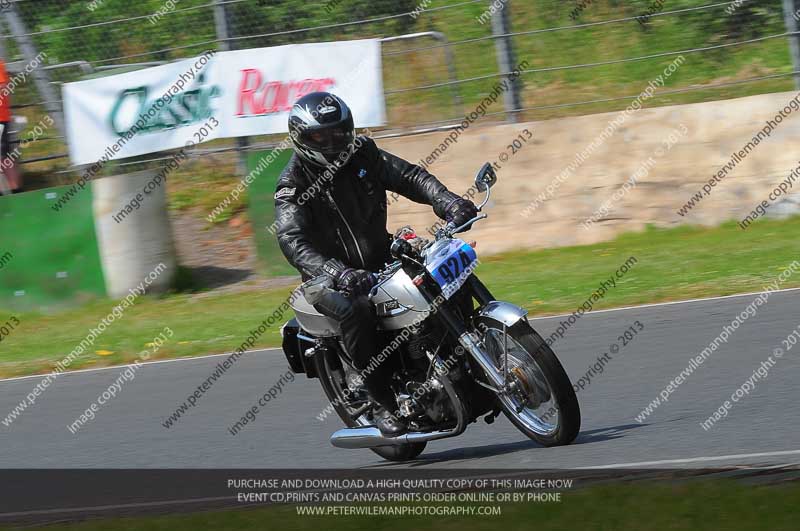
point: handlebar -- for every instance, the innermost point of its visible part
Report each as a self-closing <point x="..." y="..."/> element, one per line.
<point x="450" y="229"/>
<point x="400" y="248"/>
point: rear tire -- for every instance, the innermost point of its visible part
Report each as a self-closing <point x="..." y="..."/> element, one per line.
<point x="327" y="378"/>
<point x="560" y="386"/>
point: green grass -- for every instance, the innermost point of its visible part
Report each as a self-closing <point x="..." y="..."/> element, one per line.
<point x="671" y="264"/>
<point x="594" y="44"/>
<point x="201" y="325"/>
<point x="678" y="263"/>
<point x="713" y="505"/>
<point x="203" y="184"/>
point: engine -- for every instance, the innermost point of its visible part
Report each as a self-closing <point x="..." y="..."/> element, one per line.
<point x="422" y="394"/>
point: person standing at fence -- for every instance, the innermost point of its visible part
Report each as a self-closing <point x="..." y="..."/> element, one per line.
<point x="7" y="162"/>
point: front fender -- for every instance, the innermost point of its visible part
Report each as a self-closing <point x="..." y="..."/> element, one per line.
<point x="504" y="312"/>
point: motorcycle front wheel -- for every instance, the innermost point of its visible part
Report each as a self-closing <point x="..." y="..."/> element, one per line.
<point x="541" y="402"/>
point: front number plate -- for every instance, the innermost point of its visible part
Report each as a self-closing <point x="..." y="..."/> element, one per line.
<point x="452" y="265"/>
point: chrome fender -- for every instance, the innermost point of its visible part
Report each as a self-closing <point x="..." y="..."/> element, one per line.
<point x="504" y="312"/>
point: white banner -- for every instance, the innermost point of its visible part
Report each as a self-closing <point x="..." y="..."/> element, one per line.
<point x="217" y="95"/>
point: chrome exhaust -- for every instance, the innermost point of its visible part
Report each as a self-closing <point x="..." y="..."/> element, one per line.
<point x="371" y="437"/>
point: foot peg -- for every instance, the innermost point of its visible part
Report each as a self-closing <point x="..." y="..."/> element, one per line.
<point x="489" y="419"/>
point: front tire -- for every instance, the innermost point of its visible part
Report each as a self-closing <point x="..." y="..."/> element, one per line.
<point x="544" y="406"/>
<point x="333" y="378"/>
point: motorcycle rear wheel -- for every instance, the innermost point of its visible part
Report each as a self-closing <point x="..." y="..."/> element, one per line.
<point x="333" y="382"/>
<point x="544" y="407"/>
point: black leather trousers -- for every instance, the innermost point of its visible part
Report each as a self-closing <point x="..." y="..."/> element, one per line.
<point x="358" y="321"/>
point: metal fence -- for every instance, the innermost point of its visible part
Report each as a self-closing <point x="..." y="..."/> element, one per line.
<point x="440" y="56"/>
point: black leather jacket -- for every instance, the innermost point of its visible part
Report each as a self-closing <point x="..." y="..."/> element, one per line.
<point x="344" y="217"/>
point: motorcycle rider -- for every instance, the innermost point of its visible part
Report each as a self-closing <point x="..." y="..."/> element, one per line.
<point x="330" y="207"/>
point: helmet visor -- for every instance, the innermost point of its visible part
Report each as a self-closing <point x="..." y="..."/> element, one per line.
<point x="329" y="140"/>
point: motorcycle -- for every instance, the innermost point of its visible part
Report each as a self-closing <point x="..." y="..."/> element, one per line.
<point x="456" y="353"/>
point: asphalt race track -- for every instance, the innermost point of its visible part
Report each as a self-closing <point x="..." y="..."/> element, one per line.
<point x="762" y="428"/>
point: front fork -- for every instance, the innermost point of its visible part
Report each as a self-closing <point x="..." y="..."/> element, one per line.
<point x="471" y="341"/>
<point x="498" y="381"/>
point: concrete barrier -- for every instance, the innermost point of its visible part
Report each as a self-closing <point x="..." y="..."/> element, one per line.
<point x="133" y="240"/>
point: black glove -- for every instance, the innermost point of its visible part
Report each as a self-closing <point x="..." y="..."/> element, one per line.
<point x="459" y="211"/>
<point x="352" y="281"/>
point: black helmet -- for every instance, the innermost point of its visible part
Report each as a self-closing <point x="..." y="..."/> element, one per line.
<point x="321" y="127"/>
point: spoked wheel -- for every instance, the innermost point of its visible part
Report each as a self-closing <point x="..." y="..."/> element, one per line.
<point x="354" y="406"/>
<point x="541" y="402"/>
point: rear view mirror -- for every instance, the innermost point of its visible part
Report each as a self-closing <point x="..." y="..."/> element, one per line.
<point x="486" y="178"/>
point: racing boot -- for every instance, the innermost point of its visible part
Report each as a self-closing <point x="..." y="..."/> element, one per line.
<point x="386" y="418"/>
<point x="389" y="424"/>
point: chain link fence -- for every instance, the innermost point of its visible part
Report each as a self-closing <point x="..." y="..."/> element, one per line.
<point x="440" y="57"/>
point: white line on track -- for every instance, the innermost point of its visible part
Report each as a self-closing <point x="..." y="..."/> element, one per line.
<point x="115" y="507"/>
<point x="542" y="318"/>
<point x="155" y="362"/>
<point x="732" y="457"/>
<point x="671" y="303"/>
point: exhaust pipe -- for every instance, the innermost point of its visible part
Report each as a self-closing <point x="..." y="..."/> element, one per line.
<point x="371" y="437"/>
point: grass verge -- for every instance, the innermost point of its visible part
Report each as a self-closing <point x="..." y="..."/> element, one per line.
<point x="672" y="264"/>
